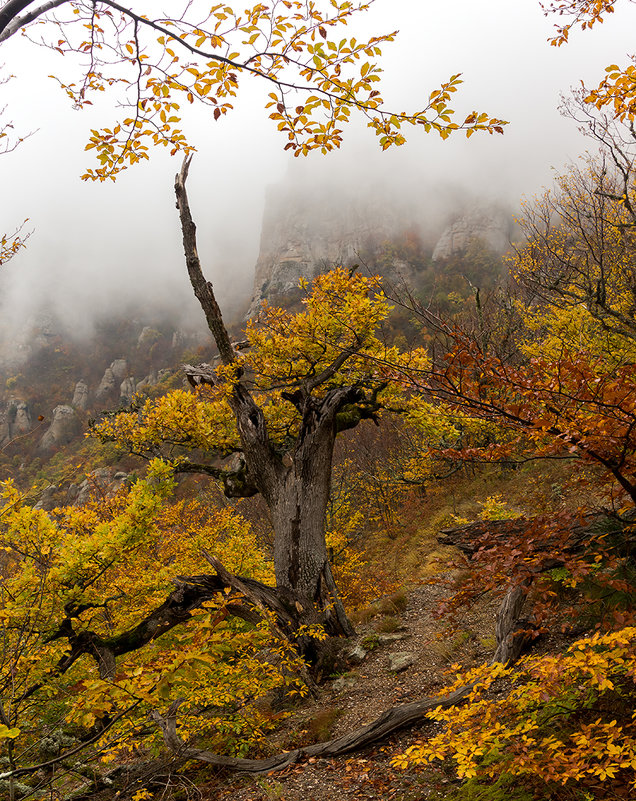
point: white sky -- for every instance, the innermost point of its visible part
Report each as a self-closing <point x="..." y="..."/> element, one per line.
<point x="95" y="243"/>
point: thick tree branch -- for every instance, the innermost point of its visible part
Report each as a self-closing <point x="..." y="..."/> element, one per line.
<point x="202" y="289"/>
<point x="236" y="483"/>
<point x="250" y="420"/>
<point x="331" y="369"/>
<point x="11" y="24"/>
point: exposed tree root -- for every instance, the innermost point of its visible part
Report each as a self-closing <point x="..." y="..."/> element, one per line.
<point x="398" y="717"/>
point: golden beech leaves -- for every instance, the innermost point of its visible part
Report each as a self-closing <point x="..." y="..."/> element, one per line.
<point x="342" y="315"/>
<point x="581" y="13"/>
<point x="316" y="79"/>
<point x="94" y="571"/>
<point x="563" y="719"/>
<point x="617" y="91"/>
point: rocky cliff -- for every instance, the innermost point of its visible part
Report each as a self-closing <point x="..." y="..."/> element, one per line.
<point x="305" y="233"/>
<point x="491" y="225"/>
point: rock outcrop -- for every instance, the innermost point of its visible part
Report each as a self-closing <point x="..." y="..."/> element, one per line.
<point x="111" y="380"/>
<point x="80" y="396"/>
<point x="127" y="390"/>
<point x="487" y="224"/>
<point x="65" y="426"/>
<point x="307" y="232"/>
<point x="103" y="482"/>
<point x="148" y="337"/>
<point x="106" y="385"/>
<point x="119" y="368"/>
<point x="17" y="420"/>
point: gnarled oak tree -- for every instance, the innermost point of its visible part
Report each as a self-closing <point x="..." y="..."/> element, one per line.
<point x="279" y="406"/>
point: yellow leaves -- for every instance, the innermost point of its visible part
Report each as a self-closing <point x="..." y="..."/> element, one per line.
<point x="538" y="727"/>
<point x="296" y="50"/>
<point x="142" y="795"/>
<point x="8" y="733"/>
<point x="108" y="565"/>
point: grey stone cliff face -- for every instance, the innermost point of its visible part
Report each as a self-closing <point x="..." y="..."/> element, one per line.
<point x="307" y="232"/>
<point x="119" y="368"/>
<point x="127" y="390"/>
<point x="65" y="426"/>
<point x="488" y="224"/>
<point x="106" y="385"/>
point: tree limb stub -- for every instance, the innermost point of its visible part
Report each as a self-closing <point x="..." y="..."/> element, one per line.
<point x="202" y="289"/>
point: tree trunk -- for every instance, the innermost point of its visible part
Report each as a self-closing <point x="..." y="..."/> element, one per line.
<point x="298" y="507"/>
<point x="296" y="494"/>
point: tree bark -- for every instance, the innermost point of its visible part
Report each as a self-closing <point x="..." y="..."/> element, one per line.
<point x="296" y="495"/>
<point x="512" y="636"/>
<point x="11" y="23"/>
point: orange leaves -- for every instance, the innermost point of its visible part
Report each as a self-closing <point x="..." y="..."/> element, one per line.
<point x="326" y="79"/>
<point x="554" y="722"/>
<point x="618" y="89"/>
<point x="10" y="245"/>
<point x="583" y="13"/>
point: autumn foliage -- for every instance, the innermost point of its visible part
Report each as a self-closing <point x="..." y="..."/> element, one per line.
<point x="565" y="720"/>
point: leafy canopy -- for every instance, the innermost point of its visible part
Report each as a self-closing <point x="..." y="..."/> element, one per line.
<point x="333" y="342"/>
<point x="76" y="582"/>
<point x="547" y="726"/>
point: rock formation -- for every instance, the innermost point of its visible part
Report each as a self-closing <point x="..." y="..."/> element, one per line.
<point x="64" y="427"/>
<point x="119" y="368"/>
<point x="487" y="224"/>
<point x="103" y="482"/>
<point x="17" y="420"/>
<point x="80" y="396"/>
<point x="308" y="231"/>
<point x="148" y="337"/>
<point x="106" y="385"/>
<point x="126" y="390"/>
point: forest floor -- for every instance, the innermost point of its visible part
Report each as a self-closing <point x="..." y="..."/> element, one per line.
<point x="358" y="696"/>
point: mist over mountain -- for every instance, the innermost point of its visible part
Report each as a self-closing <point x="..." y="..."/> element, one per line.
<point x="96" y="248"/>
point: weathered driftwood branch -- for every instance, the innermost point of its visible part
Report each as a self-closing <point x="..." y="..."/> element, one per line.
<point x="203" y="289"/>
<point x="392" y="720"/>
<point x="398" y="717"/>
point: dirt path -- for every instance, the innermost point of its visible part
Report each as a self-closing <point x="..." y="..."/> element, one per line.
<point x="360" y="695"/>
